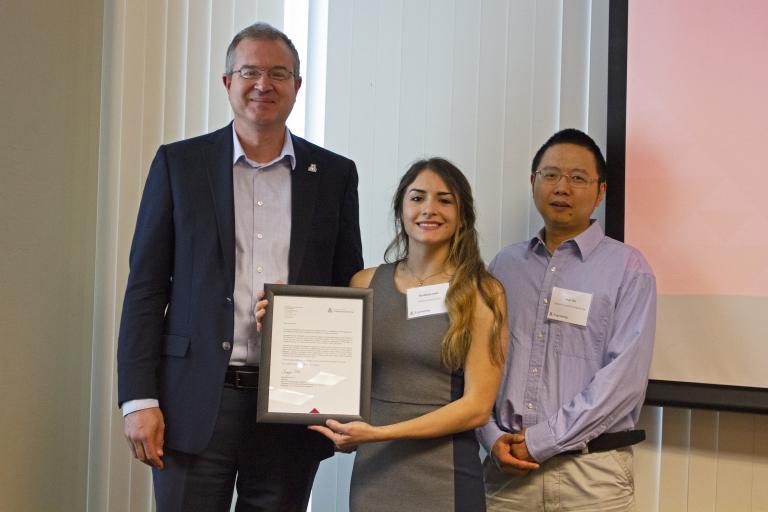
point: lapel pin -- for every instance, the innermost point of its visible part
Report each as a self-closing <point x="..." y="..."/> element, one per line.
<point x="312" y="168"/>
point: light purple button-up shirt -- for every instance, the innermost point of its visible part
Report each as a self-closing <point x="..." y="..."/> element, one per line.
<point x="565" y="384"/>
<point x="262" y="238"/>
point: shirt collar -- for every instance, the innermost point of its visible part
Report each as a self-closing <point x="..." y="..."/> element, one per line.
<point x="287" y="151"/>
<point x="586" y="241"/>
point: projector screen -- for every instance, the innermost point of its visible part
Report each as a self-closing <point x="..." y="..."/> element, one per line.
<point x="695" y="124"/>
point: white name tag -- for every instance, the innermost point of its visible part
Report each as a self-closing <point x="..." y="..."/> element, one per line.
<point x="426" y="300"/>
<point x="569" y="306"/>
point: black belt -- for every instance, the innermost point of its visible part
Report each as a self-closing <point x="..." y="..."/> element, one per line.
<point x="610" y="441"/>
<point x="242" y="377"/>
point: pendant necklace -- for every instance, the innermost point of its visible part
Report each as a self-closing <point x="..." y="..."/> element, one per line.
<point x="420" y="280"/>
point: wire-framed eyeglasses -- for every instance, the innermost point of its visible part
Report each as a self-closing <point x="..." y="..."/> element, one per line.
<point x="576" y="179"/>
<point x="278" y="74"/>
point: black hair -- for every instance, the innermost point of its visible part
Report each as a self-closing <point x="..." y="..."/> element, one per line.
<point x="579" y="138"/>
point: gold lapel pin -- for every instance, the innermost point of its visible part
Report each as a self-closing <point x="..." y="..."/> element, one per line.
<point x="312" y="168"/>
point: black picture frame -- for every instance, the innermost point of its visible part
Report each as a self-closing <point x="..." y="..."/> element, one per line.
<point x="264" y="415"/>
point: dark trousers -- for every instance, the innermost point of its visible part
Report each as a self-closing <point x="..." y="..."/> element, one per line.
<point x="269" y="464"/>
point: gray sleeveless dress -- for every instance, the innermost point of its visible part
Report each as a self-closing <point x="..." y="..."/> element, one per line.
<point x="408" y="380"/>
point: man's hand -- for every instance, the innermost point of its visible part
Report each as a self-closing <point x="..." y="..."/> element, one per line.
<point x="511" y="455"/>
<point x="261" y="309"/>
<point x="144" y="431"/>
<point x="261" y="306"/>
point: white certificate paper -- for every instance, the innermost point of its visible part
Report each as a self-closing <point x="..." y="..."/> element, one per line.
<point x="316" y="349"/>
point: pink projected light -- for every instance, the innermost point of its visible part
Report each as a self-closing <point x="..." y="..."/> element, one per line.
<point x="697" y="163"/>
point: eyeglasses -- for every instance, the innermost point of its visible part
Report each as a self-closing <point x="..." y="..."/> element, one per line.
<point x="577" y="180"/>
<point x="278" y="74"/>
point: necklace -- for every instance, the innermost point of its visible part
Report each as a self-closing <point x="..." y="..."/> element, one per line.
<point x="420" y="280"/>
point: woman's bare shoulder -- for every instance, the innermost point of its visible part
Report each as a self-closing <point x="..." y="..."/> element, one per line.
<point x="363" y="278"/>
<point x="496" y="291"/>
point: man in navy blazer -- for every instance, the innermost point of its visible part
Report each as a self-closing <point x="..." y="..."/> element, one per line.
<point x="222" y="214"/>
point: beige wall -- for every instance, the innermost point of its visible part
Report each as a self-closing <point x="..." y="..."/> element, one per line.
<point x="50" y="54"/>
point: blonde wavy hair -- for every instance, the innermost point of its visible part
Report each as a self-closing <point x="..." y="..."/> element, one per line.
<point x="470" y="275"/>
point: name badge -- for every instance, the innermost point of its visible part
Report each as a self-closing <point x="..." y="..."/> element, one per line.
<point x="569" y="306"/>
<point x="426" y="300"/>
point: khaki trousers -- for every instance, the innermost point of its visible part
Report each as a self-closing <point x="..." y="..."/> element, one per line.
<point x="602" y="481"/>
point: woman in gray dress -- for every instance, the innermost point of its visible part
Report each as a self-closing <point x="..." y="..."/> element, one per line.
<point x="435" y="375"/>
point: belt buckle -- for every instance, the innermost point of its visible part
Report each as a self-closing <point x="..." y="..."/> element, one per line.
<point x="242" y="379"/>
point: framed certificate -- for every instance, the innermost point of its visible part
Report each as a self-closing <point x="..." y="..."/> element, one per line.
<point x="315" y="354"/>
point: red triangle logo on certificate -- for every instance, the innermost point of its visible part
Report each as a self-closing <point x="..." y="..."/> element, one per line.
<point x="314" y="411"/>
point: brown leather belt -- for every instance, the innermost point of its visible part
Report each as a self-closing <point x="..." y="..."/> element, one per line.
<point x="242" y="377"/>
<point x="610" y="441"/>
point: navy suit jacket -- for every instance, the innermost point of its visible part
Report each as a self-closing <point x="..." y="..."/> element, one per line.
<point x="178" y="315"/>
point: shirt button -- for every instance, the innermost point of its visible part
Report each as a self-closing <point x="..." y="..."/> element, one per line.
<point x="540" y="335"/>
<point x="226" y="345"/>
<point x="259" y="270"/>
<point x="259" y="203"/>
<point x="535" y="370"/>
<point x="546" y="301"/>
<point x="553" y="269"/>
<point x="259" y="236"/>
<point x="228" y="300"/>
<point x="530" y="405"/>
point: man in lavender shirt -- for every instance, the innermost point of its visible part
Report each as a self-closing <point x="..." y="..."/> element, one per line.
<point x="582" y="314"/>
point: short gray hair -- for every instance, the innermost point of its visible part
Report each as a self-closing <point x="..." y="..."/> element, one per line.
<point x="261" y="30"/>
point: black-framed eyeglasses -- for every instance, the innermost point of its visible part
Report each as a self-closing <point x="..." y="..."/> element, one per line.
<point x="278" y="74"/>
<point x="576" y="179"/>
